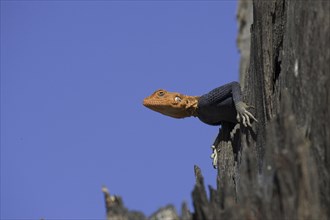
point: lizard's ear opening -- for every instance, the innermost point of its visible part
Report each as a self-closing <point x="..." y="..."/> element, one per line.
<point x="177" y="99"/>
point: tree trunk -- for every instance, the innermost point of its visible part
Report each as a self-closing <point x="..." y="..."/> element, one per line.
<point x="280" y="168"/>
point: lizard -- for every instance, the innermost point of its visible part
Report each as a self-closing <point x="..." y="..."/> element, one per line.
<point x="222" y="104"/>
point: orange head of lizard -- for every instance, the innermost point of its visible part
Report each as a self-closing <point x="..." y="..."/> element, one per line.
<point x="172" y="104"/>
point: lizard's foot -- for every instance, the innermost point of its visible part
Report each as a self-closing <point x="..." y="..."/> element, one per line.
<point x="243" y="114"/>
<point x="233" y="132"/>
<point x="214" y="156"/>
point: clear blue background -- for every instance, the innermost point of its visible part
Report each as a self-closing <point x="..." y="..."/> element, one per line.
<point x="73" y="77"/>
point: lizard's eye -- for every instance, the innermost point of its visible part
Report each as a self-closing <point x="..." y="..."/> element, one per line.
<point x="177" y="99"/>
<point x="161" y="93"/>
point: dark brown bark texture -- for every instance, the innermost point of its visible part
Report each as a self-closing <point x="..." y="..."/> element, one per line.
<point x="280" y="168"/>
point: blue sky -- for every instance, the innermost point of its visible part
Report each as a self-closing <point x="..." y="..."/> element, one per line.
<point x="73" y="77"/>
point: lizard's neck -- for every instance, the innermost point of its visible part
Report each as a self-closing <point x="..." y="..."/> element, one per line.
<point x="191" y="107"/>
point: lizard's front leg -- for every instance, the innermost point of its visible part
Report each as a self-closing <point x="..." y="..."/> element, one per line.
<point x="243" y="114"/>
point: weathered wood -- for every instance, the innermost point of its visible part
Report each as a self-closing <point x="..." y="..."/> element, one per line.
<point x="116" y="210"/>
<point x="288" y="83"/>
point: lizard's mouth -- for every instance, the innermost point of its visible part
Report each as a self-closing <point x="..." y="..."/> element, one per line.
<point x="161" y="108"/>
<point x="148" y="103"/>
<point x="153" y="105"/>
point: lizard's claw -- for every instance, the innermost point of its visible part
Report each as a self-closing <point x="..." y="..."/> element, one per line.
<point x="214" y="156"/>
<point x="234" y="130"/>
<point x="243" y="114"/>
